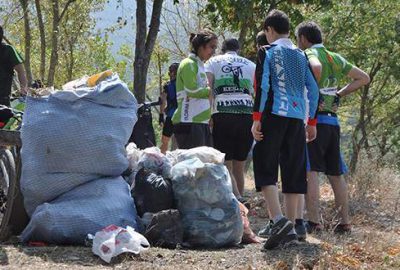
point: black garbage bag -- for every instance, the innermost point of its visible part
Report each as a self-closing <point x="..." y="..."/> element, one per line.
<point x="152" y="193"/>
<point x="165" y="229"/>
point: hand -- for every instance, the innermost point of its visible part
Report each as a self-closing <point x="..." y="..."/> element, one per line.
<point x="256" y="130"/>
<point x="321" y="105"/>
<point x="336" y="103"/>
<point x="161" y="119"/>
<point x="24" y="90"/>
<point x="311" y="133"/>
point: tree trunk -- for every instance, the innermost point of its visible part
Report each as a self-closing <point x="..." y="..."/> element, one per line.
<point x="27" y="62"/>
<point x="144" y="45"/>
<point x="71" y="60"/>
<point x="54" y="44"/>
<point x="360" y="128"/>
<point x="57" y="17"/>
<point x="243" y="32"/>
<point x="42" y="34"/>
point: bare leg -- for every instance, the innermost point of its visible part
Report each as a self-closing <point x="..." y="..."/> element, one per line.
<point x="312" y="197"/>
<point x="291" y="205"/>
<point x="271" y="196"/>
<point x="235" y="190"/>
<point x="238" y="173"/>
<point x="300" y="207"/>
<point x="340" y="190"/>
<point x="164" y="144"/>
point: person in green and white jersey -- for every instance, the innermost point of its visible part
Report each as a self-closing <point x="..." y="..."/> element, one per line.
<point x="231" y="78"/>
<point x="324" y="153"/>
<point x="191" y="119"/>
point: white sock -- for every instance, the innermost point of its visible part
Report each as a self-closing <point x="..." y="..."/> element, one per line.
<point x="277" y="218"/>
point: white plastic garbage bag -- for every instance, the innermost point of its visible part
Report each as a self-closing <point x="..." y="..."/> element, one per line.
<point x="114" y="240"/>
<point x="133" y="154"/>
<point x="153" y="160"/>
<point x="204" y="153"/>
<point x="209" y="210"/>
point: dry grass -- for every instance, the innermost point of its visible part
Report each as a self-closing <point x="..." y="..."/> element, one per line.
<point x="374" y="243"/>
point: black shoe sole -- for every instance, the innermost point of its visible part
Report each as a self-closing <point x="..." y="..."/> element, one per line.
<point x="301" y="238"/>
<point x="275" y="239"/>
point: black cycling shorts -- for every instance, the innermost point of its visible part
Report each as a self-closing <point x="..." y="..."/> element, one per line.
<point x="168" y="128"/>
<point x="232" y="135"/>
<point x="284" y="146"/>
<point x="190" y="135"/>
<point x="324" y="152"/>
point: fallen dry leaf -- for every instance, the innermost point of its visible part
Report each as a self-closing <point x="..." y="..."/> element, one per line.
<point x="393" y="251"/>
<point x="348" y="261"/>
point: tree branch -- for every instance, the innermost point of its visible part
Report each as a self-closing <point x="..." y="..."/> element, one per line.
<point x="65" y="9"/>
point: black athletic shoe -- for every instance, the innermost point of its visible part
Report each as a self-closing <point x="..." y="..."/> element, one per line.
<point x="289" y="240"/>
<point x="300" y="229"/>
<point x="279" y="232"/>
<point x="313" y="227"/>
<point x="342" y="229"/>
<point x="266" y="231"/>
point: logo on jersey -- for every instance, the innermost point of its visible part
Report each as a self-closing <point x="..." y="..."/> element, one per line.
<point x="236" y="72"/>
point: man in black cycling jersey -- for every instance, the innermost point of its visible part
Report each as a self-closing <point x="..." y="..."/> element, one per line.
<point x="10" y="60"/>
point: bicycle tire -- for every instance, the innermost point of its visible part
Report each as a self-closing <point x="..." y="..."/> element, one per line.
<point x="10" y="169"/>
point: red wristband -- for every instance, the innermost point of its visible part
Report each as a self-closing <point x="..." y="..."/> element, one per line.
<point x="312" y="122"/>
<point x="257" y="116"/>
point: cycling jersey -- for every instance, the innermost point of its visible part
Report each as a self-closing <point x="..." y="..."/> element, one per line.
<point x="334" y="68"/>
<point x="192" y="92"/>
<point x="9" y="58"/>
<point x="233" y="83"/>
<point x="172" y="104"/>
<point x="284" y="82"/>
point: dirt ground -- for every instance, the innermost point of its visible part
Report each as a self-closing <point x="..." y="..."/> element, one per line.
<point x="374" y="244"/>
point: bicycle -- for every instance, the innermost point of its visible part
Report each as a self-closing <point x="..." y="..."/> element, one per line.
<point x="12" y="211"/>
<point x="143" y="132"/>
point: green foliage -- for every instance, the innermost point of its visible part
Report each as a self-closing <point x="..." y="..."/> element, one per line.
<point x="81" y="51"/>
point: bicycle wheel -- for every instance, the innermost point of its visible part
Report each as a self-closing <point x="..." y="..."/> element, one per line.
<point x="7" y="192"/>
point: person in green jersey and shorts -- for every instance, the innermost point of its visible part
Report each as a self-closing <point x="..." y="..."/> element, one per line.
<point x="191" y="119"/>
<point x="10" y="60"/>
<point x="324" y="152"/>
<point x="231" y="78"/>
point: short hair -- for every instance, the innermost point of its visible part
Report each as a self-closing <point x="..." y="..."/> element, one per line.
<point x="1" y="34"/>
<point x="310" y="30"/>
<point x="173" y="67"/>
<point x="201" y="38"/>
<point x="230" y="44"/>
<point x="278" y="20"/>
<point x="261" y="39"/>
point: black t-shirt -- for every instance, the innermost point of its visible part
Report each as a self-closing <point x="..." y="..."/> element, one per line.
<point x="9" y="58"/>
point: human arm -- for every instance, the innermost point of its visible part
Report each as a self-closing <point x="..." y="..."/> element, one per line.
<point x="360" y="78"/>
<point x="19" y="68"/>
<point x="312" y="95"/>
<point x="210" y="79"/>
<point x="261" y="84"/>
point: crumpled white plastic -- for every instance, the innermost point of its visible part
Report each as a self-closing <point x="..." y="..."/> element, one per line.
<point x="133" y="154"/>
<point x="114" y="240"/>
<point x="204" y="153"/>
<point x="153" y="160"/>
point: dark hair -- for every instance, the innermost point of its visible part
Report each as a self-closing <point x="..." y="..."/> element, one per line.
<point x="261" y="39"/>
<point x="1" y="34"/>
<point x="37" y="84"/>
<point x="278" y="20"/>
<point x="230" y="44"/>
<point x="201" y="39"/>
<point x="311" y="31"/>
<point x="173" y="67"/>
